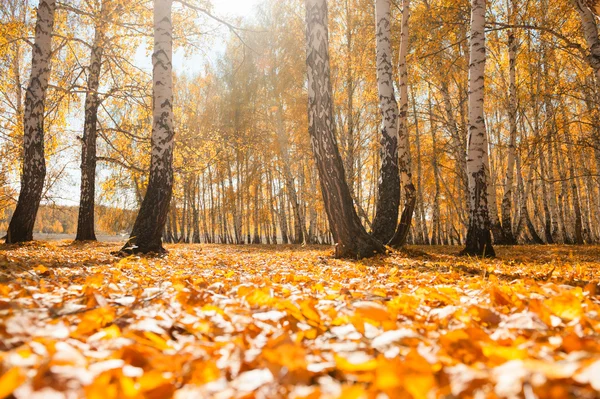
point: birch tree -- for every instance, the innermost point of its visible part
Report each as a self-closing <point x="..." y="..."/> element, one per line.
<point x="507" y="230"/>
<point x="388" y="194"/>
<point x="404" y="159"/>
<point x="34" y="161"/>
<point x="147" y="232"/>
<point x="350" y="236"/>
<point x="479" y="237"/>
<point x="85" y="224"/>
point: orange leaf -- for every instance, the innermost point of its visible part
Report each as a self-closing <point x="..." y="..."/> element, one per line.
<point x="10" y="381"/>
<point x="372" y="311"/>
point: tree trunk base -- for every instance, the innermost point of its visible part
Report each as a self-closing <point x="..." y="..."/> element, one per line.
<point x="399" y="238"/>
<point x="85" y="237"/>
<point x="131" y="248"/>
<point x="361" y="249"/>
<point x="479" y="244"/>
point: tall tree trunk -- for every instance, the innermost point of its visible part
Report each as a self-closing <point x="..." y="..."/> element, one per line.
<point x="507" y="228"/>
<point x="150" y="222"/>
<point x="85" y="222"/>
<point x="388" y="195"/>
<point x="33" y="175"/>
<point x="350" y="145"/>
<point x="421" y="225"/>
<point x="436" y="225"/>
<point x="479" y="237"/>
<point x="349" y="234"/>
<point x="493" y="199"/>
<point x="405" y="170"/>
<point x="578" y="222"/>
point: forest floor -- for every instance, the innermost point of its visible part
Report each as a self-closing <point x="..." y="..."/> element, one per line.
<point x="269" y="322"/>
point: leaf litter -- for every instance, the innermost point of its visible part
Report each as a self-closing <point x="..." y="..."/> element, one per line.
<point x="266" y="322"/>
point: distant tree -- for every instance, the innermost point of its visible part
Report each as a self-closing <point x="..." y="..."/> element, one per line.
<point x="34" y="161"/>
<point x="148" y="229"/>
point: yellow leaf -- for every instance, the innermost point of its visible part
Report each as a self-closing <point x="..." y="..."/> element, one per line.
<point x="156" y="340"/>
<point x="310" y="312"/>
<point x="95" y="281"/>
<point x="10" y="381"/>
<point x="205" y="372"/>
<point x="95" y="320"/>
<point x="372" y="311"/>
<point x="290" y="356"/>
<point x="567" y="306"/>
<point x="353" y="392"/>
<point x="42" y="270"/>
<point x="358" y="363"/>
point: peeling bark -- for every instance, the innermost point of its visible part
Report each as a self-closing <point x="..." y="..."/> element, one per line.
<point x="146" y="236"/>
<point x="479" y="237"/>
<point x="506" y="209"/>
<point x="404" y="161"/>
<point x="85" y="222"/>
<point x="388" y="194"/>
<point x="33" y="175"/>
<point x="351" y="238"/>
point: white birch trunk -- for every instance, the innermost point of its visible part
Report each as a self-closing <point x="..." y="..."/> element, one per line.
<point x="507" y="228"/>
<point x="479" y="237"/>
<point x="162" y="132"/>
<point x="34" y="161"/>
<point x="150" y="223"/>
<point x="85" y="222"/>
<point x="590" y="32"/>
<point x="404" y="159"/>
<point x="388" y="199"/>
<point x="403" y="141"/>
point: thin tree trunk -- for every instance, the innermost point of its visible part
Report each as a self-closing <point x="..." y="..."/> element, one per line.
<point x="289" y="178"/>
<point x="350" y="145"/>
<point x="435" y="238"/>
<point x="85" y="224"/>
<point x="33" y="175"/>
<point x="349" y="234"/>
<point x="457" y="144"/>
<point x="421" y="223"/>
<point x="578" y="224"/>
<point x="507" y="228"/>
<point x="150" y="222"/>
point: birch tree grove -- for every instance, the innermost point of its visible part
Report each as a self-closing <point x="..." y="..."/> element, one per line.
<point x="388" y="199"/>
<point x="479" y="237"/>
<point x="147" y="232"/>
<point x="34" y="161"/>
<point x="399" y="93"/>
<point x="350" y="237"/>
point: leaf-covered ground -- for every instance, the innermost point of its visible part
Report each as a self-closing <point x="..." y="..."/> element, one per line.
<point x="265" y="322"/>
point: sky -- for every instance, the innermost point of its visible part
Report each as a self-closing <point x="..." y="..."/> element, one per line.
<point x="235" y="7"/>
